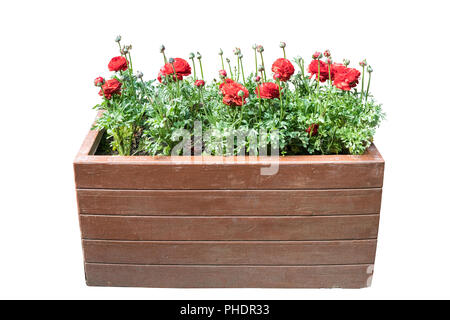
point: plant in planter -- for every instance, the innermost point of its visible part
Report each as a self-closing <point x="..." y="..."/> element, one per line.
<point x="217" y="220"/>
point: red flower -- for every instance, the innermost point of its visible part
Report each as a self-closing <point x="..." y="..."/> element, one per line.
<point x="314" y="128"/>
<point x="313" y="69"/>
<point x="99" y="81"/>
<point x="230" y="90"/>
<point x="268" y="90"/>
<point x="117" y="64"/>
<point x="284" y="67"/>
<point x="345" y="78"/>
<point x="182" y="68"/>
<point x="110" y="87"/>
<point x="161" y="74"/>
<point x="200" y="83"/>
<point x="223" y="73"/>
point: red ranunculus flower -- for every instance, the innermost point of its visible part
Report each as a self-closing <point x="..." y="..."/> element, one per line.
<point x="283" y="67"/>
<point x="314" y="127"/>
<point x="117" y="64"/>
<point x="230" y="90"/>
<point x="161" y="74"/>
<point x="223" y="73"/>
<point x="337" y="68"/>
<point x="268" y="90"/>
<point x="99" y="81"/>
<point x="182" y="68"/>
<point x="313" y="69"/>
<point x="200" y="83"/>
<point x="111" y="87"/>
<point x="345" y="78"/>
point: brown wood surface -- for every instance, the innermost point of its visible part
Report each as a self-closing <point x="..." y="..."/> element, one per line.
<point x="229" y="228"/>
<point x="231" y="252"/>
<point x="229" y="202"/>
<point x="167" y="276"/>
<point x="295" y="172"/>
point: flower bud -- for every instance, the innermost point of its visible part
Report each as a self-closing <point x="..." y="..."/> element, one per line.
<point x="228" y="60"/>
<point x="260" y="68"/>
<point x="363" y="63"/>
<point x="260" y="48"/>
<point x="327" y="53"/>
<point x="124" y="50"/>
<point x="282" y="45"/>
<point x="237" y="51"/>
<point x="317" y="55"/>
<point x="99" y="81"/>
<point x="369" y="69"/>
<point x="162" y="48"/>
<point x="171" y="60"/>
<point x="330" y="61"/>
<point x="346" y="62"/>
<point x="277" y="76"/>
<point x="199" y="56"/>
<point x="220" y="52"/>
<point x="118" y="38"/>
<point x="240" y="56"/>
<point x="254" y="46"/>
<point x="241" y="93"/>
<point x="139" y="74"/>
<point x="191" y="55"/>
<point x="199" y="83"/>
<point x="257" y="79"/>
<point x="223" y="73"/>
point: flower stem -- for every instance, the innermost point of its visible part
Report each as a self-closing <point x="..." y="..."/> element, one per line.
<point x="165" y="58"/>
<point x="318" y="76"/>
<point x="238" y="70"/>
<point x="193" y="64"/>
<point x="231" y="72"/>
<point x="223" y="66"/>
<point x="362" y="83"/>
<point x="284" y="53"/>
<point x="281" y="100"/>
<point x="201" y="68"/>
<point x="368" y="85"/>
<point x="256" y="63"/>
<point x="262" y="63"/>
<point x="242" y="68"/>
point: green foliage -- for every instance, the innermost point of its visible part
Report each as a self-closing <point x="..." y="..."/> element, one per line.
<point x="147" y="116"/>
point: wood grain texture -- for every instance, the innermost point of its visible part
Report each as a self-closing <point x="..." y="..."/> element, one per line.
<point x="229" y="202"/>
<point x="231" y="252"/>
<point x="229" y="228"/>
<point x="345" y="276"/>
<point x="194" y="173"/>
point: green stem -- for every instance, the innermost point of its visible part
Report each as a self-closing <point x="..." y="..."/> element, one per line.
<point x="281" y="101"/>
<point x="201" y="68"/>
<point x="221" y="58"/>
<point x="329" y="73"/>
<point x="242" y="68"/>
<point x="362" y="83"/>
<point x="318" y="76"/>
<point x="262" y="63"/>
<point x="193" y="64"/>
<point x="368" y="85"/>
<point x="231" y="72"/>
<point x="284" y="53"/>
<point x="165" y="59"/>
<point x="256" y="63"/>
<point x="238" y="70"/>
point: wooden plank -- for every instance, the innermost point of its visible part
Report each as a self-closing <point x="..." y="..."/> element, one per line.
<point x="346" y="276"/>
<point x="231" y="252"/>
<point x="128" y="175"/>
<point x="229" y="228"/>
<point x="229" y="202"/>
<point x="294" y="172"/>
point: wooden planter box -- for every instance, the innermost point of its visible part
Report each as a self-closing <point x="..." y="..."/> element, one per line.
<point x="150" y="222"/>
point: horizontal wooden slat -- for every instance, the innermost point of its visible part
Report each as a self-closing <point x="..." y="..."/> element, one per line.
<point x="231" y="253"/>
<point x="348" y="276"/>
<point x="229" y="202"/>
<point x="295" y="172"/>
<point x="229" y="228"/>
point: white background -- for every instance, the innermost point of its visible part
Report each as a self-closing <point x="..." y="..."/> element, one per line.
<point x="52" y="50"/>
